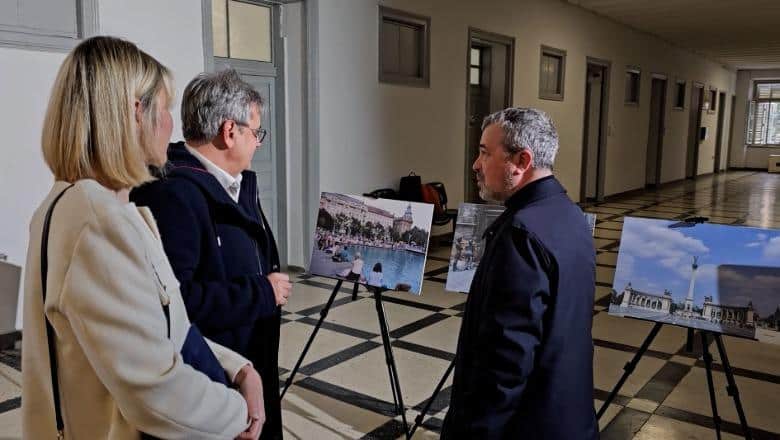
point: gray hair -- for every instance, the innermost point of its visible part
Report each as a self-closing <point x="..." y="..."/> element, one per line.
<point x="527" y="128"/>
<point x="212" y="98"/>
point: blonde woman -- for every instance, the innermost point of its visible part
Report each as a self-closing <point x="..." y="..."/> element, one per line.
<point x="108" y="350"/>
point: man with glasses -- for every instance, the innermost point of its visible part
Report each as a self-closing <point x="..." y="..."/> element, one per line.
<point x="213" y="229"/>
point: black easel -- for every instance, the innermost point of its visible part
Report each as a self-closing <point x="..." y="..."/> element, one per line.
<point x="419" y="419"/>
<point x="392" y="371"/>
<point x="731" y="388"/>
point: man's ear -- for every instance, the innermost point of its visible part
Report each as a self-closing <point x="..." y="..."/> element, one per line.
<point x="226" y="136"/>
<point x="523" y="159"/>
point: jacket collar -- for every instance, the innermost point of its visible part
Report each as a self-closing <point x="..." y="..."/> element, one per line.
<point x="228" y="182"/>
<point x="538" y="189"/>
<point x="181" y="163"/>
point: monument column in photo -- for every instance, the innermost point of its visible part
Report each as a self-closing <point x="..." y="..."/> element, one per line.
<point x="689" y="299"/>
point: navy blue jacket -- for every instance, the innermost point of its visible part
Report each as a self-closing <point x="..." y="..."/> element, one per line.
<point x="524" y="364"/>
<point x="221" y="252"/>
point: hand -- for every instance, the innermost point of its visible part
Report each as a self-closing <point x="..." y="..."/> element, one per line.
<point x="251" y="387"/>
<point x="282" y="287"/>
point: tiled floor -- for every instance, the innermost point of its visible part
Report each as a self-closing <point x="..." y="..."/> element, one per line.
<point x="342" y="390"/>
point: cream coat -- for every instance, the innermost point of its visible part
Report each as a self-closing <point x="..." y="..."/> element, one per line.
<point x="118" y="370"/>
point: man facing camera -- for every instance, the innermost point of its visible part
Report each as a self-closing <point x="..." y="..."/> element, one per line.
<point x="213" y="229"/>
<point x="523" y="367"/>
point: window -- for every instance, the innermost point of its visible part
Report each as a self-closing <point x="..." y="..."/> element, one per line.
<point x="552" y="67"/>
<point x="632" y="86"/>
<point x="713" y="100"/>
<point x="764" y="114"/>
<point x="45" y="24"/>
<point x="241" y="30"/>
<point x="404" y="47"/>
<point x="475" y="66"/>
<point x="679" y="94"/>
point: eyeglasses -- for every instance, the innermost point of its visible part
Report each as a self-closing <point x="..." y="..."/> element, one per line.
<point x="259" y="132"/>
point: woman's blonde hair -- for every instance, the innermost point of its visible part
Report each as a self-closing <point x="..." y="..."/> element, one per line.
<point x="90" y="130"/>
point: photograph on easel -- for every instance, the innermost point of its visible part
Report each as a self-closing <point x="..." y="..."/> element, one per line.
<point x="717" y="278"/>
<point x="377" y="242"/>
<point x="468" y="244"/>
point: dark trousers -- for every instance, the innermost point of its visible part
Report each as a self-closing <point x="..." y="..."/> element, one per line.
<point x="265" y="357"/>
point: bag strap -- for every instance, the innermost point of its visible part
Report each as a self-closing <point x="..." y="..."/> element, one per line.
<point x="55" y="385"/>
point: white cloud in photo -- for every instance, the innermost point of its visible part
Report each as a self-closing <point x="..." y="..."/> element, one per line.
<point x="670" y="247"/>
<point x="772" y="248"/>
<point x="761" y="240"/>
<point x="626" y="263"/>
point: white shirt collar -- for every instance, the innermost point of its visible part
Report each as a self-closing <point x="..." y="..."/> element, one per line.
<point x="231" y="184"/>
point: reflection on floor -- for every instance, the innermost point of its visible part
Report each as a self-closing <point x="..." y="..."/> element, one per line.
<point x="342" y="390"/>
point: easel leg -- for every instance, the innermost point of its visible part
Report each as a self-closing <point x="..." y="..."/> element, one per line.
<point x="323" y="314"/>
<point x="395" y="383"/>
<point x="629" y="368"/>
<point x="732" y="389"/>
<point x="419" y="419"/>
<point x="708" y="368"/>
<point x="689" y="341"/>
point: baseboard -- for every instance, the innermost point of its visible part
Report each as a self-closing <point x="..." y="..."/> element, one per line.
<point x="637" y="191"/>
<point x="295" y="269"/>
<point x="628" y="193"/>
<point x="747" y="169"/>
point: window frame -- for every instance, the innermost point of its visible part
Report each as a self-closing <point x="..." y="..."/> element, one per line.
<point x="677" y="83"/>
<point x="633" y="70"/>
<point x="755" y="101"/>
<point x="712" y="99"/>
<point x="552" y="52"/>
<point x="239" y="63"/>
<point x="23" y="37"/>
<point x="479" y="66"/>
<point x="409" y="19"/>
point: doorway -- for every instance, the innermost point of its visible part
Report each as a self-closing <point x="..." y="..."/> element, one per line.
<point x="694" y="122"/>
<point x="490" y="69"/>
<point x="731" y="130"/>
<point x="595" y="129"/>
<point x="656" y="129"/>
<point x="244" y="35"/>
<point x="719" y="133"/>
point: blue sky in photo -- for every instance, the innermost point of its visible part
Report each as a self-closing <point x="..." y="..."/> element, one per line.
<point x="654" y="257"/>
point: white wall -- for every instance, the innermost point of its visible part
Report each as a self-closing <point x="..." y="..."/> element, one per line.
<point x="24" y="178"/>
<point x="743" y="156"/>
<point x="294" y="69"/>
<point x="171" y="31"/>
<point x="371" y="134"/>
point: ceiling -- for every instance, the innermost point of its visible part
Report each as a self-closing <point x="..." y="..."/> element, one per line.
<point x="740" y="34"/>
